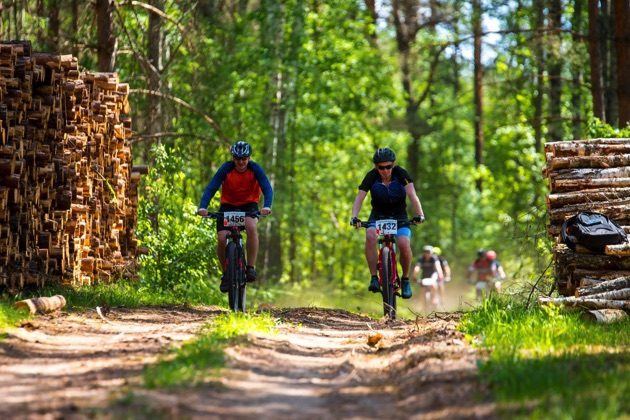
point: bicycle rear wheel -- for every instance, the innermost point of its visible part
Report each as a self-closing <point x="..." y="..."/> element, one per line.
<point x="236" y="275"/>
<point x="389" y="297"/>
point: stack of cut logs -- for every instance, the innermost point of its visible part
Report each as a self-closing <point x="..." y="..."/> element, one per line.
<point x="590" y="175"/>
<point x="68" y="195"/>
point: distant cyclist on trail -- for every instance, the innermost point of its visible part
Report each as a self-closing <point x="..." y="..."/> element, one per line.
<point x="488" y="273"/>
<point x="389" y="186"/>
<point x="241" y="181"/>
<point x="428" y="272"/>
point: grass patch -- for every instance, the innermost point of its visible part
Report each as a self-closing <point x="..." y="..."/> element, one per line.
<point x="202" y="358"/>
<point x="549" y="363"/>
<point x="133" y="294"/>
<point x="9" y="316"/>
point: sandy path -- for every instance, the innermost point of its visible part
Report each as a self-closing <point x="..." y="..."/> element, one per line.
<point x="56" y="365"/>
<point x="318" y="365"/>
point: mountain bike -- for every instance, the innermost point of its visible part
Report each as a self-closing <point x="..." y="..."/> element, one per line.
<point x="387" y="269"/>
<point x="235" y="264"/>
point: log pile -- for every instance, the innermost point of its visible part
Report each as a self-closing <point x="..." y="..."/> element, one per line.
<point x="607" y="300"/>
<point x="589" y="175"/>
<point x="68" y="195"/>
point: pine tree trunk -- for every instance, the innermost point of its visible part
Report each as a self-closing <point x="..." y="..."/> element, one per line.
<point x="622" y="47"/>
<point x="595" y="55"/>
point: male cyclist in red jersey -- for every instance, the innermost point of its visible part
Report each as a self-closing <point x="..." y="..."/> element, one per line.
<point x="241" y="181"/>
<point x="389" y="186"/>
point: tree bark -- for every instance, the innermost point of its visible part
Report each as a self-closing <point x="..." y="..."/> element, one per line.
<point x="54" y="26"/>
<point x="478" y="86"/>
<point x="620" y="283"/>
<point x="576" y="72"/>
<point x="555" y="70"/>
<point x="616" y="210"/>
<point x="155" y="115"/>
<point x="585" y="174"/>
<point x="558" y="200"/>
<point x="621" y="250"/>
<point x="622" y="47"/>
<point x="586" y="303"/>
<point x="619" y="294"/>
<point x="595" y="55"/>
<point x="539" y="56"/>
<point x="107" y="42"/>
<point x="42" y="305"/>
<point x="605" y="316"/>
<point x="593" y="161"/>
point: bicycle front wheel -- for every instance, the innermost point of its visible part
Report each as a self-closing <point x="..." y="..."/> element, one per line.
<point x="236" y="275"/>
<point x="389" y="297"/>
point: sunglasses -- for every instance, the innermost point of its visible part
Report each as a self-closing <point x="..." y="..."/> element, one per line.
<point x="384" y="167"/>
<point x="241" y="158"/>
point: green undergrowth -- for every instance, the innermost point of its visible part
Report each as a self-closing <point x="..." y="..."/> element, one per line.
<point x="9" y="316"/>
<point x="545" y="362"/>
<point x="200" y="360"/>
<point x="133" y="294"/>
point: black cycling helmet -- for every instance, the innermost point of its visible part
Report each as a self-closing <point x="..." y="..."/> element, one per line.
<point x="384" y="154"/>
<point x="241" y="149"/>
<point x="481" y="252"/>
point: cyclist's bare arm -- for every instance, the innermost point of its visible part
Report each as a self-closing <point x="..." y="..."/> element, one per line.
<point x="358" y="203"/>
<point x="413" y="199"/>
<point x="438" y="268"/>
<point x="416" y="272"/>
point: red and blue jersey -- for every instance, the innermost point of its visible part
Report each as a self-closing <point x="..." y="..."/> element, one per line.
<point x="239" y="188"/>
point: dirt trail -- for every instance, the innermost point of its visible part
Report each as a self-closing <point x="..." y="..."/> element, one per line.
<point x="318" y="365"/>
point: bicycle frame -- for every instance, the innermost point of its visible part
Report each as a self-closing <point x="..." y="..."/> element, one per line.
<point x="387" y="269"/>
<point x="235" y="264"/>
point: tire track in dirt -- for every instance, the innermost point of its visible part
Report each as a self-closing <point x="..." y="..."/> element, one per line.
<point x="320" y="365"/>
<point x="317" y="365"/>
<point x="61" y="365"/>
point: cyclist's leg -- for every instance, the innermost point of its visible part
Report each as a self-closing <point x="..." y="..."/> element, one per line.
<point x="371" y="254"/>
<point x="435" y="298"/>
<point x="221" y="242"/>
<point x="404" y="249"/>
<point x="252" y="240"/>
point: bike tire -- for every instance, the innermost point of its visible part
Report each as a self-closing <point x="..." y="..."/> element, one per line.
<point x="241" y="279"/>
<point x="389" y="298"/>
<point x="232" y="271"/>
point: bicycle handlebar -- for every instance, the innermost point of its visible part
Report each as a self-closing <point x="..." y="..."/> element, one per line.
<point x="410" y="222"/>
<point x="219" y="214"/>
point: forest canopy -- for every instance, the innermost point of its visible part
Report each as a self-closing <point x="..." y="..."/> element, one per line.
<point x="465" y="92"/>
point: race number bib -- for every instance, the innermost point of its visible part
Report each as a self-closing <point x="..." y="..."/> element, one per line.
<point x="234" y="218"/>
<point x="386" y="227"/>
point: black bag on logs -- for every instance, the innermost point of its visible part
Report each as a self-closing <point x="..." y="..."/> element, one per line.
<point x="591" y="230"/>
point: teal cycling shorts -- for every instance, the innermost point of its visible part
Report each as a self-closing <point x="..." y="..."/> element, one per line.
<point x="402" y="231"/>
